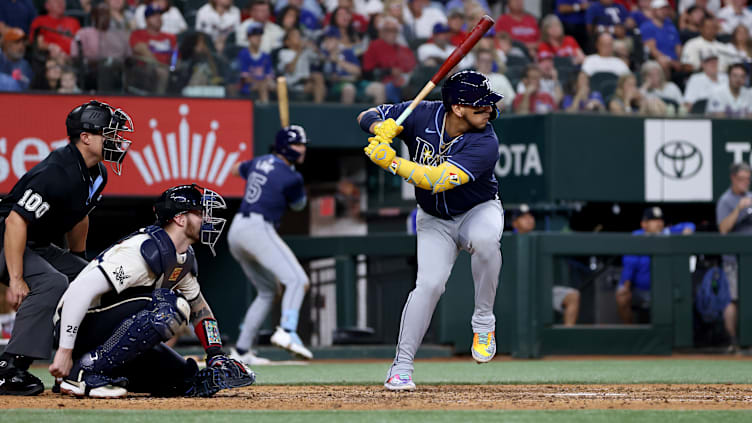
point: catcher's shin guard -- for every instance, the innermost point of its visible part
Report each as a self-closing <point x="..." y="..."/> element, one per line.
<point x="156" y="323"/>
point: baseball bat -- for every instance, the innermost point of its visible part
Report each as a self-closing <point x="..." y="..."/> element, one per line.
<point x="485" y="23"/>
<point x="282" y="102"/>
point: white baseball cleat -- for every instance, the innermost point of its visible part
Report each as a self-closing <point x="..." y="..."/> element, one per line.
<point x="94" y="385"/>
<point x="291" y="342"/>
<point x="249" y="358"/>
<point x="400" y="382"/>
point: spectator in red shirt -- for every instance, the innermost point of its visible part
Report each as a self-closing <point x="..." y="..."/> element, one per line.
<point x="155" y="50"/>
<point x="54" y="31"/>
<point x="519" y="25"/>
<point x="533" y="100"/>
<point x="387" y="61"/>
<point x="456" y="24"/>
<point x="555" y="42"/>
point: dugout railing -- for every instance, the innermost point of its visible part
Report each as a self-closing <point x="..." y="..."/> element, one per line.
<point x="525" y="319"/>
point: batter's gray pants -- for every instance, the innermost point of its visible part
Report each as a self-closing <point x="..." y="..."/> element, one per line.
<point x="47" y="271"/>
<point x="265" y="260"/>
<point x="477" y="231"/>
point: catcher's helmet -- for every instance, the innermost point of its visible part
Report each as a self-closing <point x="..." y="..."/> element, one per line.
<point x="470" y="88"/>
<point x="184" y="198"/>
<point x="99" y="118"/>
<point x="293" y="134"/>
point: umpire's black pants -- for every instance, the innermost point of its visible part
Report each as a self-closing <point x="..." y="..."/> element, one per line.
<point x="47" y="271"/>
<point x="159" y="371"/>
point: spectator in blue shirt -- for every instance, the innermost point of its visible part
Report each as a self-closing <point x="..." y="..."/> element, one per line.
<point x="340" y="67"/>
<point x="15" y="70"/>
<point x="256" y="71"/>
<point x="16" y="14"/>
<point x="606" y="16"/>
<point x="572" y="16"/>
<point x="634" y="286"/>
<point x="661" y="38"/>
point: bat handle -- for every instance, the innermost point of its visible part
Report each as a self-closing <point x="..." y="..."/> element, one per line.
<point x="421" y="95"/>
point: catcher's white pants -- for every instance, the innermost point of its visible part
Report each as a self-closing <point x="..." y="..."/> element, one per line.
<point x="266" y="261"/>
<point x="477" y="231"/>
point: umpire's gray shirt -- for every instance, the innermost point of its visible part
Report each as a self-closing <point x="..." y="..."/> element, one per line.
<point x="726" y="204"/>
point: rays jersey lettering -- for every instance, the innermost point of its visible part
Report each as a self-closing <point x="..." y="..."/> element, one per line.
<point x="271" y="184"/>
<point x="475" y="152"/>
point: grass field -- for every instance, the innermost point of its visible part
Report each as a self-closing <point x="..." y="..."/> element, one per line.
<point x="716" y="370"/>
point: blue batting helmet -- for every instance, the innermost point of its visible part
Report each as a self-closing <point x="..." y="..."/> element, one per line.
<point x="293" y="134"/>
<point x="470" y="88"/>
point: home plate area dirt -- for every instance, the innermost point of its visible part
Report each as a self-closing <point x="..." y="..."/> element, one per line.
<point x="327" y="397"/>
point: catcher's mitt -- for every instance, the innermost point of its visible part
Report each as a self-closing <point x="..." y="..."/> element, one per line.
<point x="206" y="382"/>
<point x="236" y="373"/>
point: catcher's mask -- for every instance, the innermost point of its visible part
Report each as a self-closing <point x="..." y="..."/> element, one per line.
<point x="184" y="198"/>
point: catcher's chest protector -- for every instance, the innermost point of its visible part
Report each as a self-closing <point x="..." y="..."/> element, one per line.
<point x="159" y="253"/>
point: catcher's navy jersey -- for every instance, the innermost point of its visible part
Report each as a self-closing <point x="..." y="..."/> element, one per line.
<point x="271" y="184"/>
<point x="474" y="152"/>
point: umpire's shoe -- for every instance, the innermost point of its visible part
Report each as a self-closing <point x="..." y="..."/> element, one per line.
<point x="14" y="381"/>
<point x="94" y="385"/>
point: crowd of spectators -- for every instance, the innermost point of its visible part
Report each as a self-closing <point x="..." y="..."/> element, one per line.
<point x="651" y="57"/>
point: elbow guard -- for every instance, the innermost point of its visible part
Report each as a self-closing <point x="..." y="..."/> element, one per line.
<point x="434" y="178"/>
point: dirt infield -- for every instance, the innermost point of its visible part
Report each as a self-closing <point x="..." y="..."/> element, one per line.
<point x="533" y="397"/>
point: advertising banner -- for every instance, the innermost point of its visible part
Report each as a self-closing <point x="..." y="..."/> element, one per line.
<point x="176" y="140"/>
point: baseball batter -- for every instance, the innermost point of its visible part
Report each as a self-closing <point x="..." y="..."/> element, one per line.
<point x="272" y="185"/>
<point x="453" y="151"/>
<point x="113" y="317"/>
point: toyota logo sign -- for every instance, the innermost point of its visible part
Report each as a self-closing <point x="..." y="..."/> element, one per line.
<point x="678" y="159"/>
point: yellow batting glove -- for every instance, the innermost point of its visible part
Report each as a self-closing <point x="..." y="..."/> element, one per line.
<point x="380" y="153"/>
<point x="387" y="129"/>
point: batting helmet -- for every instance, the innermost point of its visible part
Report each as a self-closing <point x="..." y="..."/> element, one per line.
<point x="99" y="118"/>
<point x="293" y="134"/>
<point x="184" y="198"/>
<point x="470" y="88"/>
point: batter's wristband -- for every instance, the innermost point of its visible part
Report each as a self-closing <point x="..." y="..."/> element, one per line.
<point x="369" y="119"/>
<point x="207" y="332"/>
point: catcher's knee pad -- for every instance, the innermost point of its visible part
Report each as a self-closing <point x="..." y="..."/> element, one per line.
<point x="169" y="311"/>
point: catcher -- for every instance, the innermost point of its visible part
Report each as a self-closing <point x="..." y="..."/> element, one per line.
<point x="112" y="320"/>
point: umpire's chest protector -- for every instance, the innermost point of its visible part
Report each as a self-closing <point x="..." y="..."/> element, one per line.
<point x="159" y="253"/>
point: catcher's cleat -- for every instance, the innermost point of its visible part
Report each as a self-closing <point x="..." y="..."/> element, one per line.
<point x="94" y="385"/>
<point x="291" y="342"/>
<point x="484" y="346"/>
<point x="400" y="382"/>
<point x="249" y="358"/>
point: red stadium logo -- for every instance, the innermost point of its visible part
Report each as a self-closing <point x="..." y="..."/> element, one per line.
<point x="176" y="141"/>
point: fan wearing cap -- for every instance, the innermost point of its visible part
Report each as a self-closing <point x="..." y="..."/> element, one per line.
<point x="701" y="84"/>
<point x="634" y="285"/>
<point x="256" y="70"/>
<point x="549" y="81"/>
<point x="15" y="71"/>
<point x="341" y="69"/>
<point x="155" y="50"/>
<point x="51" y="201"/>
<point x="661" y="38"/>
<point x="452" y="153"/>
<point x="138" y="293"/>
<point x="438" y="48"/>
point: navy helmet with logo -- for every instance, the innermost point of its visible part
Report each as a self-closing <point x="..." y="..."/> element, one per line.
<point x="470" y="88"/>
<point x="99" y="118"/>
<point x="287" y="136"/>
<point x="184" y="198"/>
